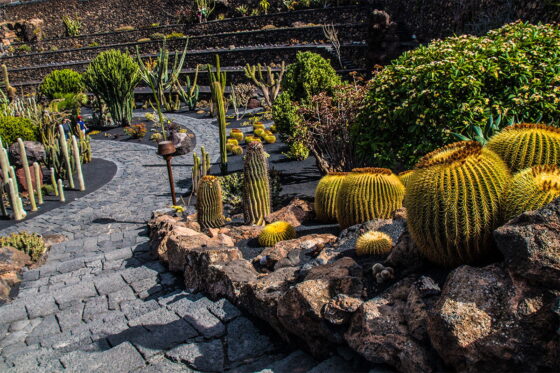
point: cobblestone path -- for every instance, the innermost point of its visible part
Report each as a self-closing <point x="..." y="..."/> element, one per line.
<point x="103" y="303"/>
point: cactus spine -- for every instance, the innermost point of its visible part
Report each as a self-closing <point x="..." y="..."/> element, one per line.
<point x="256" y="190"/>
<point x="454" y="201"/>
<point x="28" y="179"/>
<point x="64" y="148"/>
<point x="78" y="164"/>
<point x="374" y="243"/>
<point x="527" y="145"/>
<point x="209" y="207"/>
<point x="276" y="232"/>
<point x="38" y="182"/>
<point x="218" y="97"/>
<point x="326" y="195"/>
<point x="532" y="189"/>
<point x="61" y="191"/>
<point x="366" y="194"/>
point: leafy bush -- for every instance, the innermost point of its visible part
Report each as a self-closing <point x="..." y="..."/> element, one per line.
<point x="448" y="86"/>
<point x="62" y="82"/>
<point x="13" y="127"/>
<point x="309" y="75"/>
<point x="30" y="243"/>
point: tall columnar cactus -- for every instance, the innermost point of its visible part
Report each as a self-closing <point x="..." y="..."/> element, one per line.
<point x="64" y="149"/>
<point x="256" y="189"/>
<point x="454" y="201"/>
<point x="201" y="166"/>
<point x="326" y="196"/>
<point x="216" y="74"/>
<point x="78" y="163"/>
<point x="218" y="97"/>
<point x="531" y="189"/>
<point x="366" y="194"/>
<point x="61" y="191"/>
<point x="209" y="207"/>
<point x="405" y="177"/>
<point x="38" y="182"/>
<point x="10" y="185"/>
<point x="526" y="145"/>
<point x="53" y="182"/>
<point x="15" y="201"/>
<point x="28" y="179"/>
<point x="270" y="86"/>
<point x="10" y="91"/>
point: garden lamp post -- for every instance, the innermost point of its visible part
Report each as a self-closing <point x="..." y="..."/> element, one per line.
<point x="166" y="149"/>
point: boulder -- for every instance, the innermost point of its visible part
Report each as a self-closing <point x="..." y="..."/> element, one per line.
<point x="11" y="263"/>
<point x="340" y="308"/>
<point x="243" y="232"/>
<point x="296" y="213"/>
<point x="380" y="332"/>
<point x="179" y="245"/>
<point x="198" y="262"/>
<point x="182" y="141"/>
<point x="223" y="279"/>
<point x="20" y="174"/>
<point x="530" y="244"/>
<point x="487" y="320"/>
<point x="35" y="153"/>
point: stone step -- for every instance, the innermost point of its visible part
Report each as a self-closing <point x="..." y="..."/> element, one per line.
<point x="123" y="358"/>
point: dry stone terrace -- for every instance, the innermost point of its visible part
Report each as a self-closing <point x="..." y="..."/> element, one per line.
<point x="103" y="302"/>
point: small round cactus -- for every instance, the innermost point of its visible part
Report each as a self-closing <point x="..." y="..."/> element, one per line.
<point x="237" y="150"/>
<point x="259" y="132"/>
<point x="233" y="141"/>
<point x="258" y="126"/>
<point x="532" y="189"/>
<point x="273" y="128"/>
<point x="237" y="134"/>
<point x="373" y="243"/>
<point x="271" y="139"/>
<point x="276" y="232"/>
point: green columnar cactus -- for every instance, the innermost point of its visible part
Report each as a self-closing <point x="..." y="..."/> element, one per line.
<point x="38" y="182"/>
<point x="527" y="145"/>
<point x="531" y="189"/>
<point x="454" y="201"/>
<point x="405" y="177"/>
<point x="209" y="207"/>
<point x="270" y="86"/>
<point x="366" y="194"/>
<point x="374" y="243"/>
<point x="256" y="190"/>
<point x="218" y="97"/>
<point x="191" y="93"/>
<point x="10" y="91"/>
<point x="61" y="191"/>
<point x="276" y="232"/>
<point x="78" y="163"/>
<point x="195" y="172"/>
<point x="28" y="179"/>
<point x="64" y="149"/>
<point x="53" y="182"/>
<point x="218" y="75"/>
<point x="326" y="195"/>
<point x="15" y="200"/>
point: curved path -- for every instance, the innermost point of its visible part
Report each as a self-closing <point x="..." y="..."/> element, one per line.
<point x="102" y="302"/>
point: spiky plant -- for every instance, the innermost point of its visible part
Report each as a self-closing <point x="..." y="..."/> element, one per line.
<point x="532" y="189"/>
<point x="526" y="145"/>
<point x="453" y="202"/>
<point x="209" y="207"/>
<point x="373" y="243"/>
<point x="256" y="191"/>
<point x="270" y="139"/>
<point x="326" y="195"/>
<point x="405" y="177"/>
<point x="237" y="150"/>
<point x="237" y="134"/>
<point x="368" y="193"/>
<point x="276" y="232"/>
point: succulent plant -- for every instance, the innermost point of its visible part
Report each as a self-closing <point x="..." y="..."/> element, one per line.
<point x="256" y="191"/>
<point x="531" y="189"/>
<point x="237" y="150"/>
<point x="326" y="195"/>
<point x="374" y="243"/>
<point x="270" y="139"/>
<point x="368" y="193"/>
<point x="526" y="145"/>
<point x="233" y="141"/>
<point x="259" y="132"/>
<point x="405" y="177"/>
<point x="454" y="201"/>
<point x="209" y="207"/>
<point x="276" y="232"/>
<point x="30" y="243"/>
<point x="237" y="134"/>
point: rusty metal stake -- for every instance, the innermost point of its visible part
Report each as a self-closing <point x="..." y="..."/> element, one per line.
<point x="168" y="159"/>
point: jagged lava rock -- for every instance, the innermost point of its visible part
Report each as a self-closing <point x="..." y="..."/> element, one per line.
<point x="35" y="153"/>
<point x="296" y="213"/>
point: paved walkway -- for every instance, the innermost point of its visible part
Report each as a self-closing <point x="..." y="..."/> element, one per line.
<point x="103" y="303"/>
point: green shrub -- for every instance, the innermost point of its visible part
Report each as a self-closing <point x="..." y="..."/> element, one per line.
<point x="13" y="127"/>
<point x="450" y="85"/>
<point x="112" y="77"/>
<point x="30" y="243"/>
<point x="62" y="82"/>
<point x="24" y="48"/>
<point x="309" y="75"/>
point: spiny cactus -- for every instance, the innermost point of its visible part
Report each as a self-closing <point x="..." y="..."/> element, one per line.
<point x="368" y="193"/>
<point x="270" y="139"/>
<point x="237" y="150"/>
<point x="276" y="232"/>
<point x="259" y="132"/>
<point x="269" y="87"/>
<point x="78" y="163"/>
<point x="453" y="203"/>
<point x="526" y="145"/>
<point x="405" y="177"/>
<point x="209" y="207"/>
<point x="28" y="179"/>
<point x="237" y="134"/>
<point x="256" y="191"/>
<point x="11" y="92"/>
<point x="218" y="97"/>
<point x="326" y="195"/>
<point x="374" y="243"/>
<point x="532" y="189"/>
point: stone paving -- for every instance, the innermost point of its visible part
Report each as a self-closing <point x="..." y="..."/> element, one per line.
<point x="103" y="303"/>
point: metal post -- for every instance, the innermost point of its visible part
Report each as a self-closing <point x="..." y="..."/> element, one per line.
<point x="168" y="159"/>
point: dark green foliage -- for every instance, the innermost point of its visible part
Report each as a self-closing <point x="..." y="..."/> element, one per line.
<point x="13" y="127"/>
<point x="62" y="82"/>
<point x="418" y="102"/>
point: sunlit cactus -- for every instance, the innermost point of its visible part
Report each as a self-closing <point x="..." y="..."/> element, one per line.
<point x="326" y="195"/>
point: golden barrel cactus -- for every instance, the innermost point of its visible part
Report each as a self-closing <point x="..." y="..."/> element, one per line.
<point x="532" y="189"/>
<point x="526" y="145"/>
<point x="326" y="195"/>
<point x="405" y="177"/>
<point x="209" y="206"/>
<point x="366" y="194"/>
<point x="276" y="232"/>
<point x="453" y="203"/>
<point x="374" y="243"/>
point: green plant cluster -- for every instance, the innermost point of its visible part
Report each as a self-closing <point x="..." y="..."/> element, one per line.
<point x="62" y="82"/>
<point x="12" y="128"/>
<point x="30" y="243"/>
<point x="447" y="86"/>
